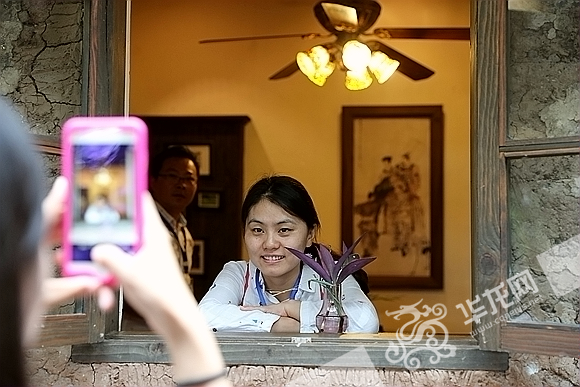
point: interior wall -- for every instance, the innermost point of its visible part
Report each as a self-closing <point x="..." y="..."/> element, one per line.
<point x="295" y="125"/>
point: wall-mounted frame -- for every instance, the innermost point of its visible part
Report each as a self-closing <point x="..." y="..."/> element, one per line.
<point x="392" y="191"/>
<point x="198" y="257"/>
<point x="207" y="199"/>
<point x="203" y="155"/>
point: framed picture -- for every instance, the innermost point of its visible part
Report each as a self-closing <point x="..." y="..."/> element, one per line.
<point x="207" y="199"/>
<point x="203" y="155"/>
<point x="198" y="257"/>
<point x="392" y="192"/>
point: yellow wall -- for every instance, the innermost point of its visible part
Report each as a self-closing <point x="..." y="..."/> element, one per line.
<point x="295" y="125"/>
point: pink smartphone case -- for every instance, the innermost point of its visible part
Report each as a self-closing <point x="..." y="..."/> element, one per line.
<point x="83" y="124"/>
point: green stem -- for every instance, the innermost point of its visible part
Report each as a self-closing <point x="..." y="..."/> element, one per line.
<point x="334" y="291"/>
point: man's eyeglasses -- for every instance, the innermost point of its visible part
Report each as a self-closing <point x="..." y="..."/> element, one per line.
<point x="173" y="178"/>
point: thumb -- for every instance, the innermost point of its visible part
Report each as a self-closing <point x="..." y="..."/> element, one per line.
<point x="114" y="259"/>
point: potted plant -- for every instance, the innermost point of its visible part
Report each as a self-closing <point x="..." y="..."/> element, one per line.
<point x="332" y="272"/>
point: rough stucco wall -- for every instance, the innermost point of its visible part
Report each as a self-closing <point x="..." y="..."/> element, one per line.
<point x="40" y="67"/>
<point x="544" y="55"/>
<point x="544" y="192"/>
<point x="40" y="60"/>
<point x="51" y="367"/>
<point x="544" y="206"/>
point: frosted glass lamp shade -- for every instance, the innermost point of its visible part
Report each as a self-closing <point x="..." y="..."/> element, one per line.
<point x="356" y="55"/>
<point x="358" y="80"/>
<point x="315" y="64"/>
<point x="382" y="66"/>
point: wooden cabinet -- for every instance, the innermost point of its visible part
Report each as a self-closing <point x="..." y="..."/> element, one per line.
<point x="213" y="218"/>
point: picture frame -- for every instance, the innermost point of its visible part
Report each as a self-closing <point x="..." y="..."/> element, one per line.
<point x="392" y="192"/>
<point x="198" y="258"/>
<point x="203" y="155"/>
<point x="206" y="199"/>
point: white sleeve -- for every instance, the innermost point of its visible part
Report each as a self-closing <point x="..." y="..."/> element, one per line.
<point x="220" y="305"/>
<point x="362" y="315"/>
<point x="308" y="311"/>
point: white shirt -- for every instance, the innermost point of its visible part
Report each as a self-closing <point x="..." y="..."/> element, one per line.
<point x="220" y="305"/>
<point x="182" y="242"/>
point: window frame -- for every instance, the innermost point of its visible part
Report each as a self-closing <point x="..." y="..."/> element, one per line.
<point x="489" y="254"/>
<point x="491" y="150"/>
<point x="102" y="93"/>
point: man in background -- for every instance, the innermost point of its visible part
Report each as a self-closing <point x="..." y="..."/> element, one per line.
<point x="173" y="177"/>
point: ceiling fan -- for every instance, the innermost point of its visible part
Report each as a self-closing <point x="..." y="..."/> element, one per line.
<point x="350" y="20"/>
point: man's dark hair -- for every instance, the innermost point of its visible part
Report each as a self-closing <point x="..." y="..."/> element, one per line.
<point x="178" y="151"/>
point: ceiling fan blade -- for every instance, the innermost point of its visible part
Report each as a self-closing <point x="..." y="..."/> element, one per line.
<point x="444" y="33"/>
<point x="290" y="69"/>
<point x="408" y="66"/>
<point x="312" y="35"/>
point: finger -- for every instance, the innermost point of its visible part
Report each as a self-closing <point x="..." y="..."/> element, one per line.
<point x="53" y="203"/>
<point x="153" y="226"/>
<point x="242" y="307"/>
<point x="58" y="256"/>
<point x="106" y="298"/>
<point x="58" y="290"/>
<point x="113" y="258"/>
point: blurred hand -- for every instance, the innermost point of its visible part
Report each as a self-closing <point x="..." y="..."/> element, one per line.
<point x="151" y="278"/>
<point x="56" y="291"/>
<point x="153" y="284"/>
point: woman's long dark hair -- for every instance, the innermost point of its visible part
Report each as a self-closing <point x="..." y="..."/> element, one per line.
<point x="286" y="192"/>
<point x="20" y="230"/>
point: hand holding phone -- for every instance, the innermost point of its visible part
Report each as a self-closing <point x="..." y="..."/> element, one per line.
<point x="105" y="160"/>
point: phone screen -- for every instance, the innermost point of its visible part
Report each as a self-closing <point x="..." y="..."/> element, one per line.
<point x="104" y="186"/>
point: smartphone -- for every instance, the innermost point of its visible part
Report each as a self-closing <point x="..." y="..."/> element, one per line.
<point x="105" y="160"/>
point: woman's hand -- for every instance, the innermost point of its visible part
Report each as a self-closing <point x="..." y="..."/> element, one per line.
<point x="151" y="279"/>
<point x="56" y="291"/>
<point x="288" y="308"/>
<point x="286" y="324"/>
<point x="289" y="312"/>
<point x="152" y="283"/>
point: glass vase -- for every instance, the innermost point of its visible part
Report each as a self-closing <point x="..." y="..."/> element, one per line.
<point x="331" y="318"/>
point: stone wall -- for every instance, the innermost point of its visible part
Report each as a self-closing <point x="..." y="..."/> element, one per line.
<point x="41" y="60"/>
<point x="544" y="192"/>
<point x="51" y="366"/>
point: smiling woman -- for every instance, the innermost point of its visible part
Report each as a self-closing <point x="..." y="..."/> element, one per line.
<point x="274" y="291"/>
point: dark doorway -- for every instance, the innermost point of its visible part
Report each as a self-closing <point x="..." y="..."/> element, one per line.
<point x="213" y="218"/>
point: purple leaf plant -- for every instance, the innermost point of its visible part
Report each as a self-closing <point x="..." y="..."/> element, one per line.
<point x="331" y="272"/>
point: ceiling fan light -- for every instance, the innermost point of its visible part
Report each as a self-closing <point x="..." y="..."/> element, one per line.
<point x="319" y="56"/>
<point x="328" y="69"/>
<point x="356" y="55"/>
<point x="358" y="80"/>
<point x="382" y="66"/>
<point x="318" y="79"/>
<point x="305" y="64"/>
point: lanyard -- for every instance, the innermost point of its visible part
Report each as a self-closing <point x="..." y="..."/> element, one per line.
<point x="184" y="262"/>
<point x="260" y="289"/>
